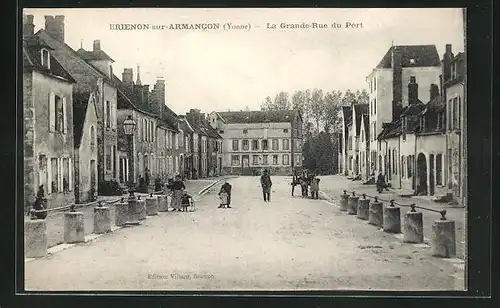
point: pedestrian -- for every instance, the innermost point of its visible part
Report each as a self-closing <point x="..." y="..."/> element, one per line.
<point x="380" y="182"/>
<point x="295" y="181"/>
<point x="158" y="185"/>
<point x="266" y="183"/>
<point x="147" y="177"/>
<point x="304" y="185"/>
<point x="177" y="187"/>
<point x="186" y="201"/>
<point x="315" y="188"/>
<point x="40" y="204"/>
<point x="225" y="195"/>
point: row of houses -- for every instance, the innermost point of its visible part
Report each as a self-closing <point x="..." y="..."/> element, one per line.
<point x="412" y="129"/>
<point x="74" y="139"/>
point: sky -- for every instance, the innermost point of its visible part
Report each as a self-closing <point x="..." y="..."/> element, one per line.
<point x="236" y="69"/>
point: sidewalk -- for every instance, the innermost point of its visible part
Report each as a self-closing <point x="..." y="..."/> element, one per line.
<point x="334" y="185"/>
<point x="55" y="220"/>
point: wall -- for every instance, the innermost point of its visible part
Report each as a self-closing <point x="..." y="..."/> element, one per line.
<point x="86" y="153"/>
<point x="30" y="184"/>
<point x="110" y="134"/>
<point x="50" y="144"/>
<point x="407" y="148"/>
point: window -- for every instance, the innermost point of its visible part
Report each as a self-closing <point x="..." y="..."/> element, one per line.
<point x="108" y="115"/>
<point x="245" y="145"/>
<point x="92" y="136"/>
<point x="403" y="166"/>
<point x="65" y="175"/>
<point x="286" y="159"/>
<point x="449" y="108"/>
<point x="375" y="83"/>
<point x="374" y="106"/>
<point x="264" y="160"/>
<point x="275" y="159"/>
<point x="285" y="130"/>
<point x="221" y="132"/>
<point x="286" y="144"/>
<point x="412" y="61"/>
<point x="276" y="146"/>
<point x="235" y="160"/>
<point x="409" y="166"/>
<point x="422" y="124"/>
<point x="255" y="159"/>
<point x="57" y="112"/>
<point x="439" y="169"/>
<point x="298" y="160"/>
<point x="255" y="144"/>
<point x="455" y="113"/>
<point x="440" y="121"/>
<point x="54" y="163"/>
<point x="297" y="144"/>
<point x="235" y="145"/>
<point x="108" y="158"/>
<point x="413" y="79"/>
<point x="45" y="55"/>
<point x="245" y="131"/>
<point x="265" y="145"/>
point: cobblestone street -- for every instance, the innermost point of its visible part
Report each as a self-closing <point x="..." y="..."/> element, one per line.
<point x="287" y="244"/>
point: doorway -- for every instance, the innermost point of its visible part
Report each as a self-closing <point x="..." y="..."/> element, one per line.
<point x="431" y="175"/>
<point x="421" y="174"/>
<point x="93" y="180"/>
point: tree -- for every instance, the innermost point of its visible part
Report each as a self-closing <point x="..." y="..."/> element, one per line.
<point x="331" y="113"/>
<point x="281" y="101"/>
<point x="349" y="98"/>
<point x="362" y="96"/>
<point x="316" y="107"/>
<point x="299" y="100"/>
<point x="267" y="105"/>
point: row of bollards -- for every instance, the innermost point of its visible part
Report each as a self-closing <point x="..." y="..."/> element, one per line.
<point x="389" y="218"/>
<point x="127" y="212"/>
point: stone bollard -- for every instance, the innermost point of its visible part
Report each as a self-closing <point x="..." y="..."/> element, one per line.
<point x="73" y="227"/>
<point x="35" y="238"/>
<point x="162" y="203"/>
<point x="352" y="204"/>
<point x="392" y="218"/>
<point x="443" y="238"/>
<point x="133" y="211"/>
<point x="141" y="208"/>
<point x="363" y="208"/>
<point x="413" y="231"/>
<point x="121" y="213"/>
<point x="375" y="215"/>
<point x="151" y="205"/>
<point x="344" y="201"/>
<point x="102" y="219"/>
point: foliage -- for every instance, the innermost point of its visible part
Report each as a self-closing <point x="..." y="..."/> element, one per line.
<point x="321" y="122"/>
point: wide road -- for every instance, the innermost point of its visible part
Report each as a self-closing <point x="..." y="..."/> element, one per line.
<point x="286" y="244"/>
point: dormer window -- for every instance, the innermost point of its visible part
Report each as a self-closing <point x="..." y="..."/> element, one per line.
<point x="45" y="56"/>
<point x="412" y="61"/>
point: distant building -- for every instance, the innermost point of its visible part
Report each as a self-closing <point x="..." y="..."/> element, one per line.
<point x="345" y="116"/>
<point x="256" y="140"/>
<point x="48" y="117"/>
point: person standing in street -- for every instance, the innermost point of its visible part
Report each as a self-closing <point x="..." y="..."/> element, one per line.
<point x="266" y="183"/>
<point x="295" y="181"/>
<point x="225" y="194"/>
<point x="177" y="188"/>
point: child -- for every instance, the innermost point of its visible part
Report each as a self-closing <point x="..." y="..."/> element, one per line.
<point x="315" y="188"/>
<point x="186" y="201"/>
<point x="225" y="195"/>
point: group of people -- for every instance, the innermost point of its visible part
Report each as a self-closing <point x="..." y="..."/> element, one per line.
<point x="308" y="182"/>
<point x="181" y="200"/>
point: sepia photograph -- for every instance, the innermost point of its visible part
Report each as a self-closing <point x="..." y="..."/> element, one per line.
<point x="244" y="149"/>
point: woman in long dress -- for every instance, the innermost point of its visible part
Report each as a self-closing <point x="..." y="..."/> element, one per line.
<point x="177" y="190"/>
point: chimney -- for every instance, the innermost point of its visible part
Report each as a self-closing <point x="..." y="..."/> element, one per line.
<point x="127" y="75"/>
<point x="412" y="93"/>
<point x="28" y="26"/>
<point x="145" y="94"/>
<point x="397" y="82"/>
<point x="138" y="82"/>
<point x="97" y="45"/>
<point x="54" y="26"/>
<point x="447" y="57"/>
<point x="434" y="91"/>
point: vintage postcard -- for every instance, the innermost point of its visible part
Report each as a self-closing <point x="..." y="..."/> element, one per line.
<point x="244" y="149"/>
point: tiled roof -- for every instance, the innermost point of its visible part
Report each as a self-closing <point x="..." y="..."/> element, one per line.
<point x="32" y="59"/>
<point x="277" y="116"/>
<point x="423" y="56"/>
<point x="394" y="129"/>
<point x="93" y="55"/>
<point x="360" y="110"/>
<point x="434" y="105"/>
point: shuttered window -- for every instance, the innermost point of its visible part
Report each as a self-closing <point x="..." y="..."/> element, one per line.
<point x="52" y="112"/>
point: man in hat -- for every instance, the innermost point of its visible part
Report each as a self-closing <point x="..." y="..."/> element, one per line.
<point x="266" y="183"/>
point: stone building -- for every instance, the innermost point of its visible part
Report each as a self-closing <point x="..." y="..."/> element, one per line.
<point x="188" y="152"/>
<point x="197" y="120"/>
<point x="388" y="87"/>
<point x="454" y="71"/>
<point x="48" y="117"/>
<point x="92" y="71"/>
<point x="256" y="140"/>
<point x="85" y="141"/>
